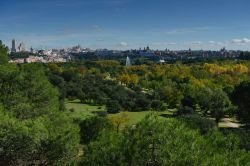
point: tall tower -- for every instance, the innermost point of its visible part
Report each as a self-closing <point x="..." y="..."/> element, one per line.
<point x="21" y="47"/>
<point x="13" y="47"/>
<point x="128" y="62"/>
<point x="31" y="50"/>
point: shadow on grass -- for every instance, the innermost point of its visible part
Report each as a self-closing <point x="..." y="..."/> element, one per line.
<point x="166" y="115"/>
<point x="234" y="129"/>
<point x="80" y="103"/>
<point x="74" y="102"/>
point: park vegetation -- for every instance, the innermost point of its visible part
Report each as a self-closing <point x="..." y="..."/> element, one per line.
<point x="186" y="104"/>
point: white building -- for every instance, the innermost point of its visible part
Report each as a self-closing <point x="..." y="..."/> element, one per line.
<point x="21" y="47"/>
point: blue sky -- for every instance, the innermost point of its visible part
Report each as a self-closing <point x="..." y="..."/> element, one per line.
<point x="126" y="24"/>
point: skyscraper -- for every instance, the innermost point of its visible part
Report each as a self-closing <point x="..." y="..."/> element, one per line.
<point x="13" y="47"/>
<point x="31" y="50"/>
<point x="21" y="47"/>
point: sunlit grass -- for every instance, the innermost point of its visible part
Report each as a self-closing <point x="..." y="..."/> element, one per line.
<point x="78" y="110"/>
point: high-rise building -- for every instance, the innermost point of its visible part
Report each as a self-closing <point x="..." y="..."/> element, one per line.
<point x="13" y="47"/>
<point x="21" y="47"/>
<point x="31" y="50"/>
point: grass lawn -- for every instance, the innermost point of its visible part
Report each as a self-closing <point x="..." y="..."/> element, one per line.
<point x="82" y="111"/>
<point x="135" y="117"/>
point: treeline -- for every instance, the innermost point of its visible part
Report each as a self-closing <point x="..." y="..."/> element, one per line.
<point x="201" y="88"/>
<point x="21" y="55"/>
<point x="155" y="141"/>
<point x="36" y="129"/>
<point x="101" y="89"/>
<point x="244" y="56"/>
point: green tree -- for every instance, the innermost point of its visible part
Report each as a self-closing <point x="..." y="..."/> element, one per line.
<point x="213" y="102"/>
<point x="120" y="120"/>
<point x="44" y="140"/>
<point x="202" y="97"/>
<point x="241" y="97"/>
<point x="219" y="104"/>
<point x="113" y="106"/>
<point x="33" y="130"/>
<point x="157" y="105"/>
<point x="3" y="53"/>
<point x="91" y="128"/>
<point x="106" y="150"/>
<point x="156" y="142"/>
<point x="170" y="94"/>
<point x="27" y="92"/>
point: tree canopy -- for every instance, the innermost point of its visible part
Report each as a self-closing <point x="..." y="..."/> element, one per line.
<point x="33" y="131"/>
<point x="3" y="53"/>
<point x="241" y="97"/>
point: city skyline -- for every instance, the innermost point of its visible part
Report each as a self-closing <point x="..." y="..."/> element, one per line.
<point x="127" y="24"/>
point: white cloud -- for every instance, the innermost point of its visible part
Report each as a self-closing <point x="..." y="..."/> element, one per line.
<point x="243" y="41"/>
<point x="214" y="43"/>
<point x="193" y="44"/>
<point x="187" y="30"/>
<point x="123" y="44"/>
<point x="163" y="43"/>
<point x="171" y="43"/>
<point x="196" y="43"/>
<point x="178" y="31"/>
<point x="172" y="32"/>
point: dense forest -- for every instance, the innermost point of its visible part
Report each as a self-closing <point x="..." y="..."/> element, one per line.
<point x="185" y="105"/>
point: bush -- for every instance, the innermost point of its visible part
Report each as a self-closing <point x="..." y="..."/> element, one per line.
<point x="169" y="142"/>
<point x="91" y="127"/>
<point x="100" y="113"/>
<point x="113" y="106"/>
<point x="204" y="125"/>
<point x="185" y="111"/>
<point x="157" y="105"/>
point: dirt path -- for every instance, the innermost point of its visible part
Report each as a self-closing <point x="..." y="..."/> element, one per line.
<point x="229" y="123"/>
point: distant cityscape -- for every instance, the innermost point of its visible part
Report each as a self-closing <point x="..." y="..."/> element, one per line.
<point x="22" y="55"/>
